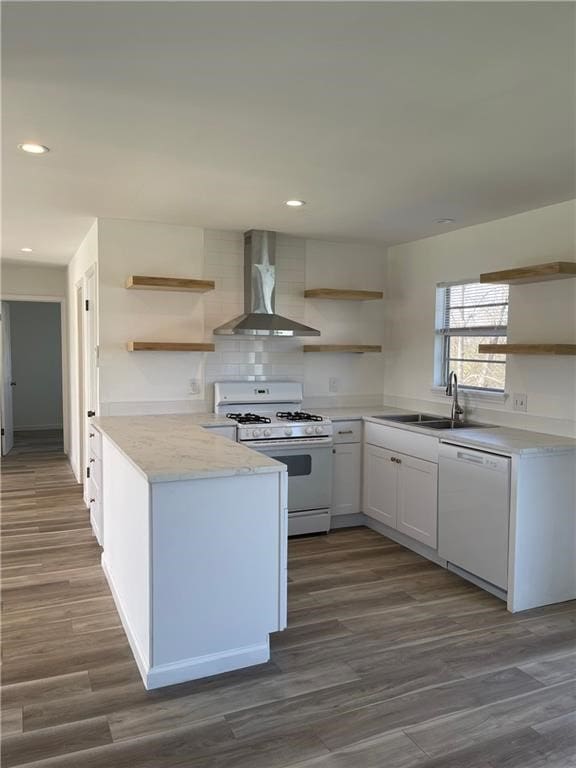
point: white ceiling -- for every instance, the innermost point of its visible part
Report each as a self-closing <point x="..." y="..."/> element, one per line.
<point x="383" y="116"/>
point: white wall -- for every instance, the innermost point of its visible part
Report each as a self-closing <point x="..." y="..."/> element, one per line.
<point x="32" y="280"/>
<point x="301" y="264"/>
<point x="358" y="378"/>
<point x="35" y="332"/>
<point x="538" y="313"/>
<point x="85" y="258"/>
<point x="159" y="382"/>
<point x="140" y="382"/>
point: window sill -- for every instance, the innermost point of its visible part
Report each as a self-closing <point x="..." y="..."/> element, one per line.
<point x="473" y="394"/>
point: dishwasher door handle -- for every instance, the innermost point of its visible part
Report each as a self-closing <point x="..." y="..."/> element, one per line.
<point x="471" y="457"/>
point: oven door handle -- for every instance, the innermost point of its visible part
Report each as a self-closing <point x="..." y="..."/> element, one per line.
<point x="285" y="445"/>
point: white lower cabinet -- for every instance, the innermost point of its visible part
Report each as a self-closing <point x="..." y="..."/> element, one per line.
<point x="380" y="485"/>
<point x="346" y="475"/>
<point x="417" y="499"/>
<point x="401" y="492"/>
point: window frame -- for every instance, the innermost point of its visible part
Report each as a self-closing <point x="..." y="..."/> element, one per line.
<point x="443" y="334"/>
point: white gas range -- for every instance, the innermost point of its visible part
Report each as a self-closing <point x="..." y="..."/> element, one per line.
<point x="270" y="420"/>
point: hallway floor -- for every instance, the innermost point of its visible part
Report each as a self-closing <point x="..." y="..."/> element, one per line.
<point x="388" y="662"/>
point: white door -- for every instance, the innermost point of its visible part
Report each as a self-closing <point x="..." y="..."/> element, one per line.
<point x="346" y="479"/>
<point x="90" y="362"/>
<point x="418" y="499"/>
<point x="380" y="490"/>
<point x="7" y="383"/>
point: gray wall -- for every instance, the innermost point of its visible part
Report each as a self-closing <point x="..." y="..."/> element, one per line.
<point x="36" y="364"/>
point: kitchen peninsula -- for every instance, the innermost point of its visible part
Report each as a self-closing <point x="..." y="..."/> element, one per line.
<point x="194" y="537"/>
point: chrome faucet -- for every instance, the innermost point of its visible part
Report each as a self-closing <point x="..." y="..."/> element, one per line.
<point x="456" y="412"/>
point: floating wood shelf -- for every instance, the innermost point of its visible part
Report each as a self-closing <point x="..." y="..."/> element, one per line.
<point x="555" y="270"/>
<point x="358" y="348"/>
<point x="528" y="349"/>
<point x="341" y="294"/>
<point x="147" y="283"/>
<point x="169" y="346"/>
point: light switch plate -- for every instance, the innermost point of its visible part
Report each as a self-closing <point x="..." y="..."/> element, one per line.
<point x="520" y="401"/>
<point x="333" y="384"/>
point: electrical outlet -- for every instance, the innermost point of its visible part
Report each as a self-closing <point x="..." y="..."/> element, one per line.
<point x="333" y="384"/>
<point x="520" y="401"/>
<point x="194" y="387"/>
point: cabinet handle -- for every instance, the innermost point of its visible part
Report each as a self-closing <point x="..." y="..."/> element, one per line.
<point x="92" y="501"/>
<point x="92" y="461"/>
<point x="345" y="431"/>
<point x="396" y="460"/>
<point x="91" y="434"/>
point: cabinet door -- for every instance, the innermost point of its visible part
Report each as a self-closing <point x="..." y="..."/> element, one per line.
<point x="418" y="499"/>
<point x="346" y="479"/>
<point x="380" y="487"/>
<point x="95" y="506"/>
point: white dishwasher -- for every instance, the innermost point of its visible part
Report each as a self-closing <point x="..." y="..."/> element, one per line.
<point x="474" y="511"/>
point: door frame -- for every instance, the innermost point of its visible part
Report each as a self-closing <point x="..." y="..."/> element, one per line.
<point x="64" y="344"/>
<point x="79" y="294"/>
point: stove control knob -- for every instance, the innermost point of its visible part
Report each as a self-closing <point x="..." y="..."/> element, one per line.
<point x="309" y="430"/>
<point x="288" y="431"/>
<point x="255" y="433"/>
<point x="318" y="430"/>
<point x="267" y="432"/>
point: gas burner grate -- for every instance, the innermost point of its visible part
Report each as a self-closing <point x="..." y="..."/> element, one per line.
<point x="298" y="416"/>
<point x="248" y="418"/>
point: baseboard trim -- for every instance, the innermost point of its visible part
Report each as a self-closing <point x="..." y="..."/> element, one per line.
<point x="405" y="541"/>
<point x="353" y="520"/>
<point x="477" y="581"/>
<point x="205" y="666"/>
<point x="186" y="669"/>
<point x="139" y="657"/>
<point x="39" y="428"/>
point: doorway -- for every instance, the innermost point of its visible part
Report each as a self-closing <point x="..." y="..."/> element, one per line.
<point x="32" y="389"/>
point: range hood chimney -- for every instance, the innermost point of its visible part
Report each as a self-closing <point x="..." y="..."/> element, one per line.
<point x="259" y="318"/>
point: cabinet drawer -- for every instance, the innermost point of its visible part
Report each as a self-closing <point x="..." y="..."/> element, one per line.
<point x="402" y="441"/>
<point x="94" y="442"/>
<point x="347" y="431"/>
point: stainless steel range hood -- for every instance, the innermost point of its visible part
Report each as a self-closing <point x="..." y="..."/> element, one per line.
<point x="259" y="318"/>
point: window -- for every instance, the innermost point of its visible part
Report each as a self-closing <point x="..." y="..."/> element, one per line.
<point x="469" y="314"/>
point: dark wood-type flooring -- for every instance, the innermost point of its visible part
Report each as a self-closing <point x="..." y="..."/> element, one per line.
<point x="388" y="662"/>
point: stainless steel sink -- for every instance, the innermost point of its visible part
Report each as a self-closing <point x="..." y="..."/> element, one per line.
<point x="409" y="418"/>
<point x="449" y="424"/>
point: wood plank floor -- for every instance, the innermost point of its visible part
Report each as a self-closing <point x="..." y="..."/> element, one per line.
<point x="388" y="662"/>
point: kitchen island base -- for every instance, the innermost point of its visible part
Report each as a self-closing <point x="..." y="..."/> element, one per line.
<point x="197" y="567"/>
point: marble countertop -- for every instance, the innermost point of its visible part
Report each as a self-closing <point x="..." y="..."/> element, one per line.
<point x="356" y="414"/>
<point x="176" y="447"/>
<point x="506" y="440"/>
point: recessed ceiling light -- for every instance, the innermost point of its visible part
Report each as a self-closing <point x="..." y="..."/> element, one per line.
<point x="33" y="149"/>
<point x="445" y="221"/>
<point x="26" y="250"/>
<point x="295" y="203"/>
